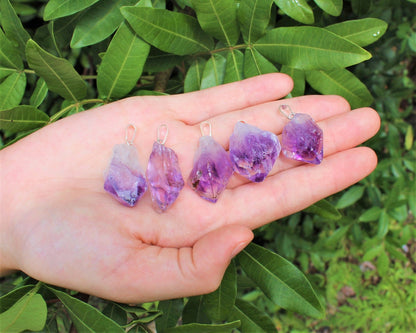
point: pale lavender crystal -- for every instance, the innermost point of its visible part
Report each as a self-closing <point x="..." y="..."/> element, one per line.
<point x="302" y="139"/>
<point x="212" y="169"/>
<point x="253" y="151"/>
<point x="124" y="178"/>
<point x="164" y="177"/>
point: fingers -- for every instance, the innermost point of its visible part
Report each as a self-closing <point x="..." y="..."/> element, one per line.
<point x="195" y="107"/>
<point x="297" y="188"/>
<point x="268" y="117"/>
<point x="341" y="132"/>
<point x="155" y="273"/>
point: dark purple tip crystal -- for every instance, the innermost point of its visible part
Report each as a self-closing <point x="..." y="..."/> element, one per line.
<point x="164" y="177"/>
<point x="302" y="139"/>
<point x="253" y="151"/>
<point x="124" y="178"/>
<point x="212" y="169"/>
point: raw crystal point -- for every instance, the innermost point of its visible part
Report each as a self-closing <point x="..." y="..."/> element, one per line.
<point x="164" y="177"/>
<point x="212" y="169"/>
<point x="253" y="151"/>
<point x="302" y="139"/>
<point x="124" y="177"/>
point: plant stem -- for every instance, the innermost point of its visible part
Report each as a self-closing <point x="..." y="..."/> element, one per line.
<point x="60" y="113"/>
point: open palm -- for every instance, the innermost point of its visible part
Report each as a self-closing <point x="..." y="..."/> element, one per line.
<point x="60" y="226"/>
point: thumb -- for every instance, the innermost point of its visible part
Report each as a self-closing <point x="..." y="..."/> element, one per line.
<point x="213" y="252"/>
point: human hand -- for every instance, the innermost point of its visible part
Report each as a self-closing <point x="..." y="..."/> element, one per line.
<point x="59" y="225"/>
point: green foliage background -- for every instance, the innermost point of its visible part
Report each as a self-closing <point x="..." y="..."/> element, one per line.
<point x="345" y="264"/>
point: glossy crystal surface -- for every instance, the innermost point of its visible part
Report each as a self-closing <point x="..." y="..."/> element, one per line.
<point x="124" y="178"/>
<point x="302" y="139"/>
<point x="211" y="171"/>
<point x="164" y="177"/>
<point x="253" y="151"/>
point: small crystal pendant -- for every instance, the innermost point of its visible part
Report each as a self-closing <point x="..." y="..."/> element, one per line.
<point x="253" y="151"/>
<point x="124" y="177"/>
<point x="212" y="169"/>
<point x="302" y="139"/>
<point x="163" y="175"/>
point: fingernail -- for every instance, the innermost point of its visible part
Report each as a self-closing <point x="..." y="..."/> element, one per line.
<point x="239" y="248"/>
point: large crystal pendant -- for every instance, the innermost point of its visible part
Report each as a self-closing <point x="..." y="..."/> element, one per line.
<point x="212" y="169"/>
<point x="253" y="151"/>
<point x="302" y="139"/>
<point x="164" y="177"/>
<point x="124" y="178"/>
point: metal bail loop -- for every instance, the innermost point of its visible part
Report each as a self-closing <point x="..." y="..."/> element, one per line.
<point x="203" y="125"/>
<point x="165" y="137"/>
<point x="286" y="111"/>
<point x="130" y="142"/>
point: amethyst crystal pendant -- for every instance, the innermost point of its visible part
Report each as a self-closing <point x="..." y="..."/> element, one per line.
<point x="302" y="139"/>
<point x="253" y="151"/>
<point x="164" y="177"/>
<point x="212" y="169"/>
<point x="124" y="178"/>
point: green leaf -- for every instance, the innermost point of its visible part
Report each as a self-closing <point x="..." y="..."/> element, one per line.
<point x="218" y="18"/>
<point x="5" y="72"/>
<point x="218" y="304"/>
<point x="122" y="64"/>
<point x="12" y="26"/>
<point x="325" y="209"/>
<point x="340" y="82"/>
<point x="298" y="10"/>
<point x="255" y="64"/>
<point x="171" y="32"/>
<point x="252" y="319"/>
<point x="234" y="66"/>
<point x="350" y="196"/>
<point x="58" y="73"/>
<point x="408" y="139"/>
<point x="60" y="8"/>
<point x="194" y="75"/>
<point x="12" y="90"/>
<point x="116" y="313"/>
<point x="332" y="7"/>
<point x="159" y="61"/>
<point x="193" y="312"/>
<point x="206" y="328"/>
<point x="28" y="313"/>
<point x="336" y="237"/>
<point x="298" y="77"/>
<point x="85" y="317"/>
<point x="214" y="71"/>
<point x="172" y="310"/>
<point x="361" y="32"/>
<point x="383" y="225"/>
<point x="280" y="280"/>
<point x="310" y="48"/>
<point x="22" y="118"/>
<point x="9" y="54"/>
<point x="98" y="22"/>
<point x="383" y="262"/>
<point x="7" y="301"/>
<point x="254" y="16"/>
<point x="39" y="94"/>
<point x="371" y="214"/>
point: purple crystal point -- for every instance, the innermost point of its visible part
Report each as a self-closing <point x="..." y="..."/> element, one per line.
<point x="164" y="177"/>
<point x="302" y="139"/>
<point x="212" y="169"/>
<point x="124" y="178"/>
<point x="253" y="151"/>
